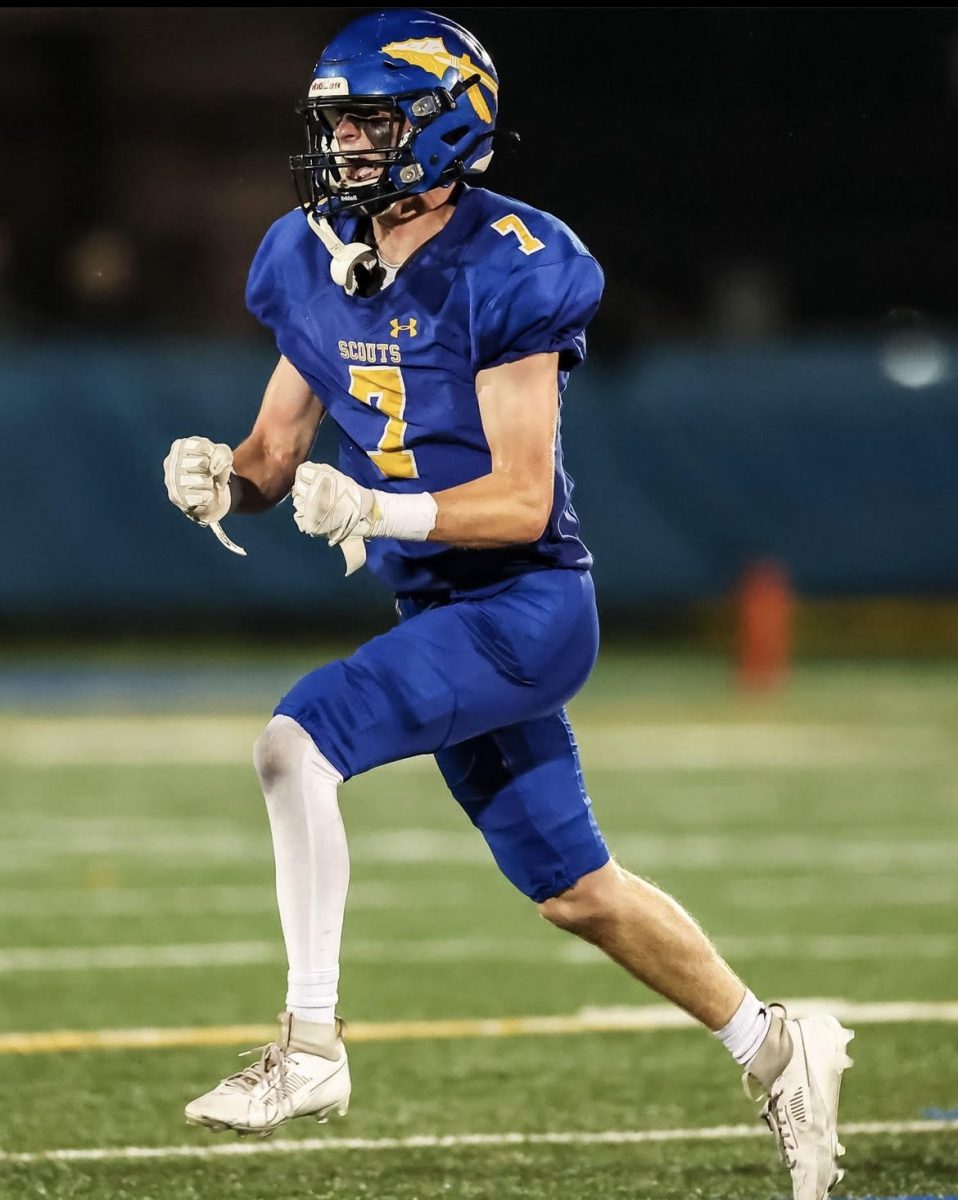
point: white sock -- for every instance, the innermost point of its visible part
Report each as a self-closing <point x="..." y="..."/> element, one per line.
<point x="312" y="863"/>
<point x="746" y="1031"/>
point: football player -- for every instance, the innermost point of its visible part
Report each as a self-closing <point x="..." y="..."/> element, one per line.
<point x="436" y="324"/>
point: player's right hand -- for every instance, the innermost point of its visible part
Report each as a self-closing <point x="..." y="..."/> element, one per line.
<point x="197" y="473"/>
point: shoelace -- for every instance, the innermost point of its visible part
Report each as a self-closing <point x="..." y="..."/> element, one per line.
<point x="775" y="1117"/>
<point x="272" y="1058"/>
<point x="773" y="1111"/>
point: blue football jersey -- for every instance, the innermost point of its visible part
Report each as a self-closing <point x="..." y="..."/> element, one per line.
<point x="396" y="370"/>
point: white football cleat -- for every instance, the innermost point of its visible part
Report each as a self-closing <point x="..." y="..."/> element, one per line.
<point x="801" y="1108"/>
<point x="304" y="1073"/>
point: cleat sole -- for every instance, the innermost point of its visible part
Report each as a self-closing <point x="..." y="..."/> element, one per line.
<point x="843" y="1062"/>
<point x="321" y="1118"/>
<point x="212" y="1126"/>
<point x="338" y="1109"/>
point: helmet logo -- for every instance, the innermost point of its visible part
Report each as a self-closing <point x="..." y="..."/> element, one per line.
<point x="395" y="329"/>
<point x="431" y="54"/>
<point x="331" y="86"/>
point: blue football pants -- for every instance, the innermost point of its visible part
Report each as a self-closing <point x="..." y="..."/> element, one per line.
<point x="480" y="682"/>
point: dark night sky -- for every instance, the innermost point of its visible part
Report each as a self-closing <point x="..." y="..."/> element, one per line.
<point x="811" y="151"/>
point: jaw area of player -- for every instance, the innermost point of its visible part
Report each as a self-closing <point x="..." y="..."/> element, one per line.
<point x="399" y="231"/>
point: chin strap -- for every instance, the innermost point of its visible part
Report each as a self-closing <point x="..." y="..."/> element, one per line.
<point x="346" y="261"/>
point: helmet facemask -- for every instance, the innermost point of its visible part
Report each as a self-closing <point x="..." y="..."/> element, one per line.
<point x="336" y="174"/>
<point x="327" y="175"/>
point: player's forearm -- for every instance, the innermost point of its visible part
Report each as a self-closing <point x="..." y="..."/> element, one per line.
<point x="494" y="510"/>
<point x="499" y="509"/>
<point x="264" y="465"/>
<point x="262" y="475"/>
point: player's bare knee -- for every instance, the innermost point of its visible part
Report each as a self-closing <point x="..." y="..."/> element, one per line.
<point x="279" y="750"/>
<point x="584" y="907"/>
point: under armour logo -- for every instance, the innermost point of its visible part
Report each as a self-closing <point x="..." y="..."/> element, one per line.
<point x="395" y="329"/>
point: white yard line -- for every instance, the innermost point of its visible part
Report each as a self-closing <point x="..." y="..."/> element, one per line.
<point x="905" y="947"/>
<point x="826" y="851"/>
<point x="165" y="739"/>
<point x="865" y="947"/>
<point x="454" y="1141"/>
<point x="845" y="850"/>
<point x="701" y="746"/>
<point x="807" y="892"/>
<point x="134" y="740"/>
<point x="372" y="895"/>
<point x="208" y="898"/>
<point x="127" y="958"/>
<point x="820" y="856"/>
<point x="648" y="1017"/>
<point x="842" y="849"/>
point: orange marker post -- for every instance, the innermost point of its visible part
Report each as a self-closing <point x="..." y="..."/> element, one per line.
<point x="764" y="628"/>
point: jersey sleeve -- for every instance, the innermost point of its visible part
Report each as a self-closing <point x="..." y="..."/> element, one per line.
<point x="265" y="294"/>
<point x="541" y="309"/>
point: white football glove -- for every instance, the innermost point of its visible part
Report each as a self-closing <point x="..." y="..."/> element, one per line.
<point x="197" y="473"/>
<point x="329" y="504"/>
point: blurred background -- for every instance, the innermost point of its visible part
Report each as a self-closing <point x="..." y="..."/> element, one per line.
<point x="765" y="444"/>
<point x="771" y="376"/>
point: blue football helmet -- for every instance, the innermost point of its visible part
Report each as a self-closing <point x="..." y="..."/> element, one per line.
<point x="420" y="94"/>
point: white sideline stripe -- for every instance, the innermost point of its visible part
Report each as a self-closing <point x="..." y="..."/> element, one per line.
<point x="692" y="746"/>
<point x="648" y="1017"/>
<point x="826" y="948"/>
<point x="608" y="1137"/>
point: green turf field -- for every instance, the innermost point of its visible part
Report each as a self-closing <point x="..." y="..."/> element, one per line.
<point x="813" y="834"/>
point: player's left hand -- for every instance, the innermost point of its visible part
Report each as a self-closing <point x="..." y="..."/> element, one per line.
<point x="329" y="504"/>
<point x="197" y="474"/>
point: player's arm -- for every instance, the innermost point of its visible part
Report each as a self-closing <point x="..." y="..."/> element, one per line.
<point x="518" y="406"/>
<point x="264" y="465"/>
<point x="207" y="480"/>
<point x="510" y="505"/>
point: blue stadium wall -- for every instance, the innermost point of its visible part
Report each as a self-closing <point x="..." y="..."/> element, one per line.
<point x="690" y="463"/>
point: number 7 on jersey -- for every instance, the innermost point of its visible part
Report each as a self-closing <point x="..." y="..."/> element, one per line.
<point x="528" y="242"/>
<point x="384" y="388"/>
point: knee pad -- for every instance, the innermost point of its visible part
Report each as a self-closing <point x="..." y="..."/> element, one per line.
<point x="279" y="750"/>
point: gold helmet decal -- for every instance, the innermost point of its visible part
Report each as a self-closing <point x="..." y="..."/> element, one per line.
<point x="431" y="54"/>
